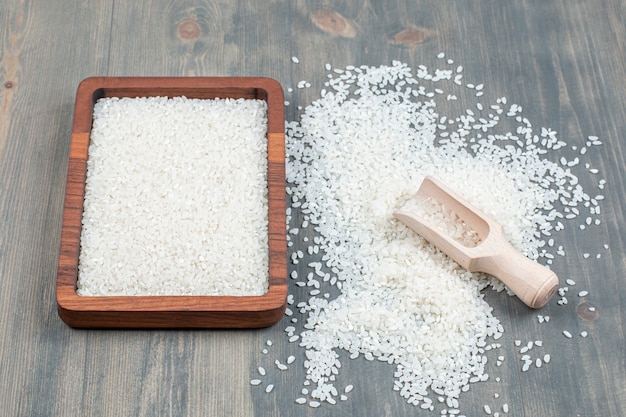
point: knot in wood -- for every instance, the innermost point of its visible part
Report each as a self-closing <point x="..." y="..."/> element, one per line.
<point x="587" y="311"/>
<point x="333" y="23"/>
<point x="189" y="29"/>
<point x="410" y="37"/>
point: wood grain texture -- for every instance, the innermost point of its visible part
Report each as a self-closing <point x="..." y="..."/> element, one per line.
<point x="563" y="61"/>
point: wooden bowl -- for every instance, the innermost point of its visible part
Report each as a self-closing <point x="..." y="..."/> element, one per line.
<point x="173" y="311"/>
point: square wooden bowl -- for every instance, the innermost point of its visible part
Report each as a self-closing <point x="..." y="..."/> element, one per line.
<point x="173" y="311"/>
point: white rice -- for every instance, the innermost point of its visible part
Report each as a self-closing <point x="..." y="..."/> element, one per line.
<point x="359" y="153"/>
<point x="176" y="198"/>
<point x="445" y="220"/>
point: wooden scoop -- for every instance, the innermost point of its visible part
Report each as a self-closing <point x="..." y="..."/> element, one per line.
<point x="532" y="282"/>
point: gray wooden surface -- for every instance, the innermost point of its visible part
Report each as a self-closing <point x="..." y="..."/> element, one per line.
<point x="563" y="61"/>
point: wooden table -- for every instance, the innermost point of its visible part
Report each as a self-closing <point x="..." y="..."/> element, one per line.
<point x="563" y="61"/>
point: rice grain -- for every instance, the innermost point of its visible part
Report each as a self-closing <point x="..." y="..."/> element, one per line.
<point x="163" y="183"/>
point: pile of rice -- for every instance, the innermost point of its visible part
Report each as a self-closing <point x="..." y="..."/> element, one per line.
<point x="176" y="198"/>
<point x="359" y="153"/>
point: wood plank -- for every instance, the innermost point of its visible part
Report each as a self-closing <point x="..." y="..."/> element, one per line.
<point x="559" y="102"/>
<point x="42" y="68"/>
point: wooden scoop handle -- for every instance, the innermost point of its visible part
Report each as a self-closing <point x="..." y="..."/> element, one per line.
<point x="532" y="282"/>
